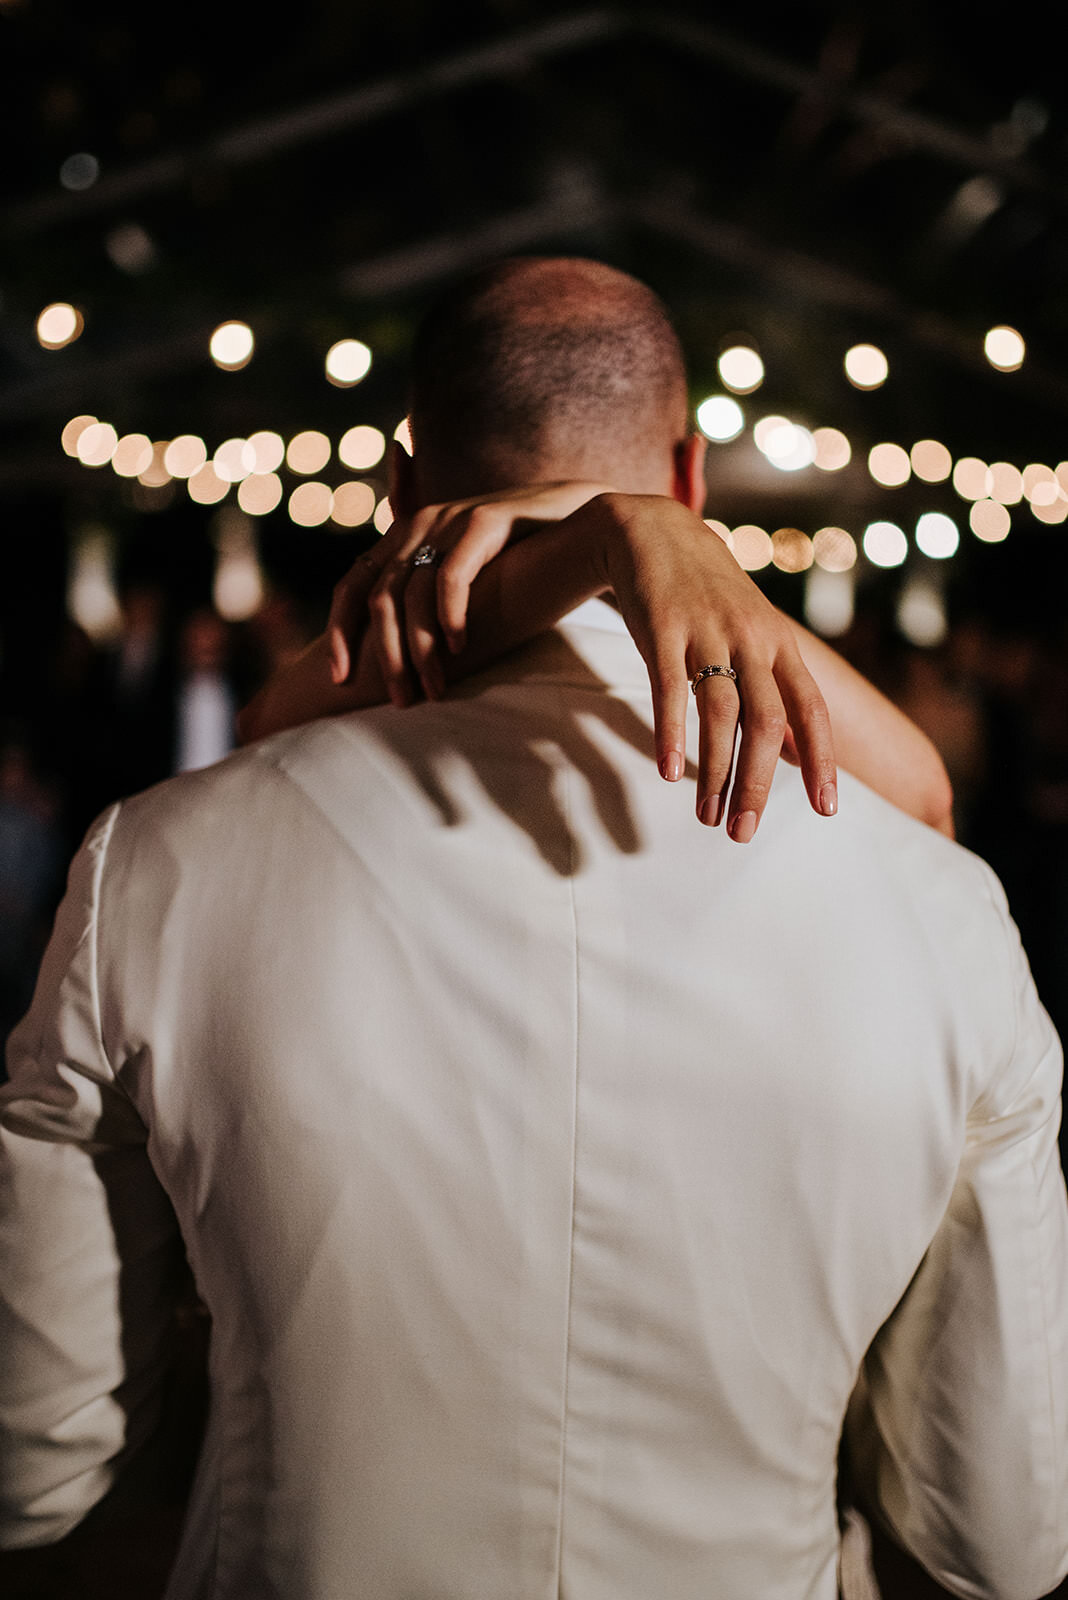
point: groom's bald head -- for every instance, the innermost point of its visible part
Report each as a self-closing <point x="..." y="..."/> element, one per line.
<point x="543" y="368"/>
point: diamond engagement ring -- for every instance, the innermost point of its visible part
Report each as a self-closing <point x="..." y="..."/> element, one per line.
<point x="426" y="556"/>
<point x="712" y="672"/>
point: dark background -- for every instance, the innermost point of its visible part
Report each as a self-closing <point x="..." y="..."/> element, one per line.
<point x="807" y="174"/>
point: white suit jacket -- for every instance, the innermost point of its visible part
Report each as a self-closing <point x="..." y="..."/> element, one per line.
<point x="549" y="1164"/>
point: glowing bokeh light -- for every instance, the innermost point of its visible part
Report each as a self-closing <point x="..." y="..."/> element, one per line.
<point x="347" y="362"/>
<point x="921" y="614"/>
<point x="889" y="465"/>
<point x="829" y="601"/>
<point x="1004" y="348"/>
<point x="79" y="171"/>
<point x="866" y="367"/>
<point x="765" y="427"/>
<point x="741" y="369"/>
<point x="1006" y="483"/>
<point x="720" y="418"/>
<point x="96" y="444"/>
<point x="308" y="452"/>
<point x="931" y="461"/>
<point x="310" y="504"/>
<point x="73" y="432"/>
<point x="1040" y="484"/>
<point x="989" y="521"/>
<point x="269" y="449"/>
<point x="58" y="324"/>
<point x="1051" y="514"/>
<point x="937" y="535"/>
<point x="91" y="598"/>
<point x="260" y="493"/>
<point x="833" y="450"/>
<point x="133" y="455"/>
<point x="834" y="549"/>
<point x="237" y="589"/>
<point x="185" y="455"/>
<point x="751" y="546"/>
<point x="206" y="487"/>
<point x="383" y="517"/>
<point x="789" y="447"/>
<point x="234" y="460"/>
<point x="791" y="550"/>
<point x="971" y="478"/>
<point x="354" y="504"/>
<point x="231" y="346"/>
<point x="362" y="447"/>
<point x="719" y="528"/>
<point x="885" y="544"/>
<point x="155" y="475"/>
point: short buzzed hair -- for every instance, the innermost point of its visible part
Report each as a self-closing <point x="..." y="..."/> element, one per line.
<point x="545" y="367"/>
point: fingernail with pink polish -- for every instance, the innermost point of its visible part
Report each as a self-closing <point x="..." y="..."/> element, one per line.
<point x="671" y="766"/>
<point x="709" y="813"/>
<point x="829" y="799"/>
<point x="743" y="827"/>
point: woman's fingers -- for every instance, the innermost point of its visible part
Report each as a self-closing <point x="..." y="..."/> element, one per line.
<point x="717" y="708"/>
<point x="476" y="536"/>
<point x="348" y="614"/>
<point x="810" y="731"/>
<point x="387" y="631"/>
<point x="763" y="725"/>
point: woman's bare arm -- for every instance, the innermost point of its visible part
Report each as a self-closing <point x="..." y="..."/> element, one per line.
<point x="685" y="600"/>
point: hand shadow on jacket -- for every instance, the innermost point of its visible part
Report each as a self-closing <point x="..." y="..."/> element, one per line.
<point x="540" y="736"/>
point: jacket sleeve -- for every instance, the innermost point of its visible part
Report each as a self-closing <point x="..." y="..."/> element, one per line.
<point x="958" y="1430"/>
<point x="87" y="1243"/>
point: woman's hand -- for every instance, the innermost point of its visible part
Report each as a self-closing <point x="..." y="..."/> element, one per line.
<point x="412" y="609"/>
<point x="689" y="605"/>
<point x="684" y="598"/>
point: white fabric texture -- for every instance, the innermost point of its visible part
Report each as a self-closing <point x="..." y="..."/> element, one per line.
<point x="549" y="1165"/>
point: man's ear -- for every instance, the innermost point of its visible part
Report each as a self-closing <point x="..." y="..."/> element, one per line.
<point x="688" y="485"/>
<point x="403" y="497"/>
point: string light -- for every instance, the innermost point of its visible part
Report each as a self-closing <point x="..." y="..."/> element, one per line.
<point x="866" y="367"/>
<point x="791" y="550"/>
<point x="234" y="460"/>
<point x="96" y="444"/>
<point x="889" y="465"/>
<point x="231" y="346"/>
<point x="937" y="535"/>
<point x="310" y="504"/>
<point x="73" y="431"/>
<point x="347" y="362"/>
<point x="885" y="544"/>
<point x="720" y="418"/>
<point x="185" y="455"/>
<point x="751" y="546"/>
<point x="354" y="504"/>
<point x="1004" y="348"/>
<point x="362" y="447"/>
<point x="832" y="450"/>
<point x="308" y="452"/>
<point x="931" y="461"/>
<point x="58" y="325"/>
<point x="989" y="521"/>
<point x="834" y="549"/>
<point x="741" y="369"/>
<point x="132" y="455"/>
<point x="259" y="493"/>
